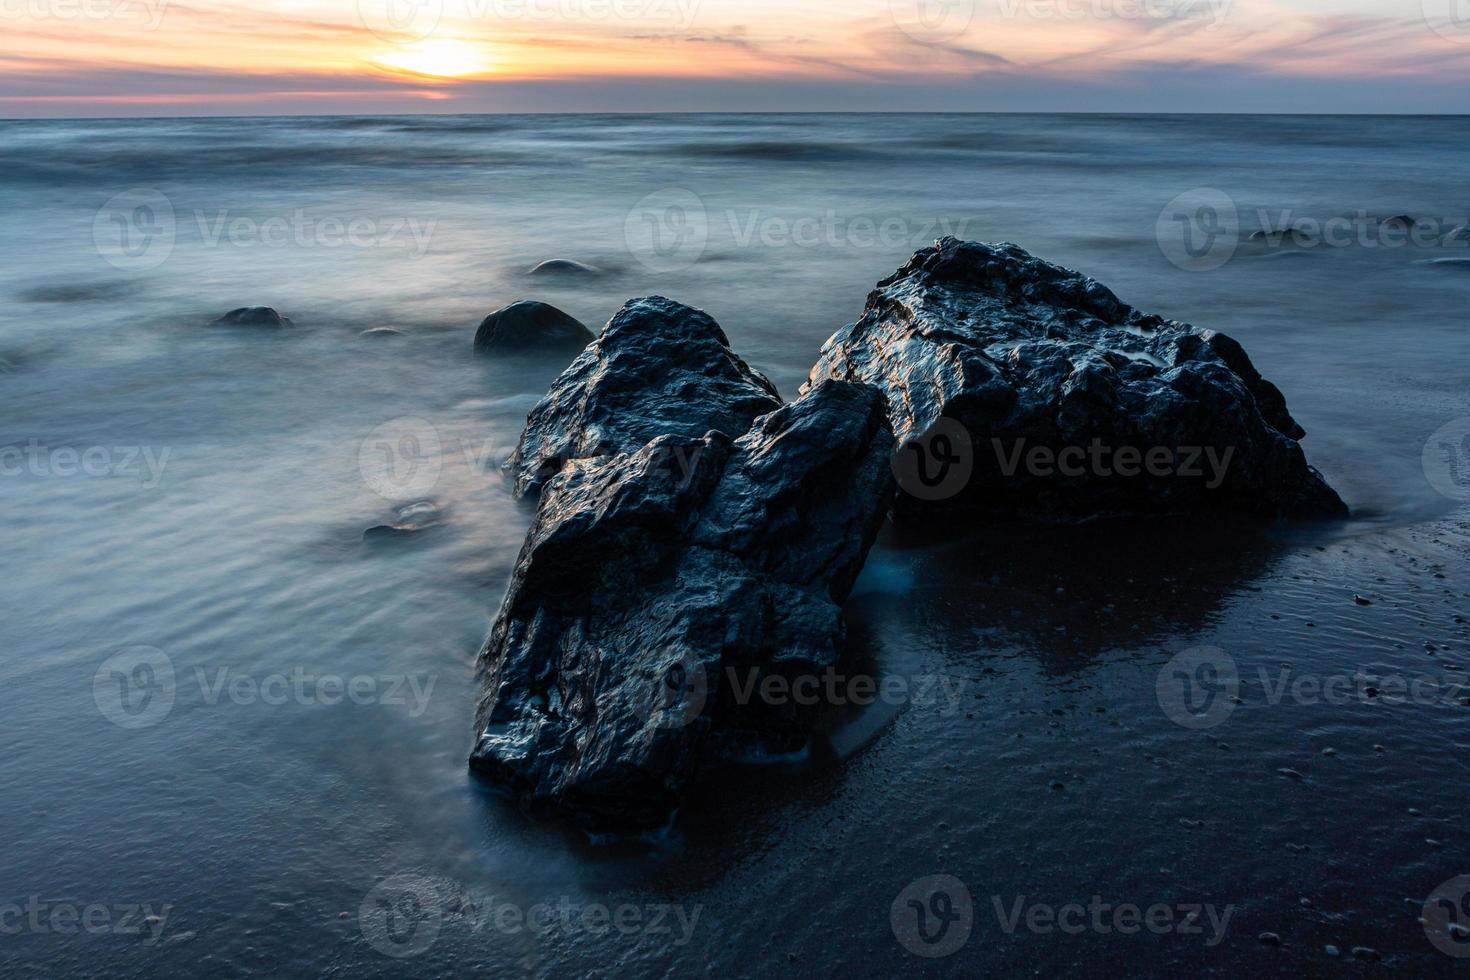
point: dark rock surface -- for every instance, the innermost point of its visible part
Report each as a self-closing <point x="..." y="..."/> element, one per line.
<point x="254" y="317"/>
<point x="530" y="326"/>
<point x="642" y="583"/>
<point x="659" y="368"/>
<point x="995" y="362"/>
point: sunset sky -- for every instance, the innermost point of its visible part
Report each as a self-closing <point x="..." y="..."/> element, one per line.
<point x="156" y="57"/>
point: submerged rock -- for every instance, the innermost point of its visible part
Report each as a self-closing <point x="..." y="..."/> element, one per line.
<point x="1016" y="386"/>
<point x="253" y="317"/>
<point x="381" y="333"/>
<point x="565" y="268"/>
<point x="408" y="521"/>
<point x="530" y="326"/>
<point x="659" y="368"/>
<point x="643" y="584"/>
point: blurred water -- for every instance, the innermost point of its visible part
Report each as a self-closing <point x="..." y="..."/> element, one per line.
<point x="219" y="520"/>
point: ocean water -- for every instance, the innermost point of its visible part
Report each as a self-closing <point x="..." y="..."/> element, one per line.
<point x="227" y="709"/>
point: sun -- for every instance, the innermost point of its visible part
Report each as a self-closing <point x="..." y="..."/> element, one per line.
<point x="437" y="59"/>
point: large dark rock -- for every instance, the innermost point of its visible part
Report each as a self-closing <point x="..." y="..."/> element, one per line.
<point x="530" y="326"/>
<point x="658" y="368"/>
<point x="1016" y="386"/>
<point x="648" y="576"/>
<point x="253" y="317"/>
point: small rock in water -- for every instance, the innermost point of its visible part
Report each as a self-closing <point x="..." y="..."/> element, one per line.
<point x="1367" y="953"/>
<point x="530" y="326"/>
<point x="565" y="267"/>
<point x="381" y="333"/>
<point x="1269" y="939"/>
<point x="1290" y="774"/>
<point x="1331" y="950"/>
<point x="1362" y="601"/>
<point x="253" y="317"/>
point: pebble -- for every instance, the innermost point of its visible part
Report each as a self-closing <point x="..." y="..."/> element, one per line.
<point x="1329" y="751"/>
<point x="1269" y="939"/>
<point x="1290" y="774"/>
<point x="1362" y="601"/>
<point x="1331" y="950"/>
<point x="1366" y="953"/>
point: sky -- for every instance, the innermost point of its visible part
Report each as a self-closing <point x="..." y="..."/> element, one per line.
<point x="253" y="57"/>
